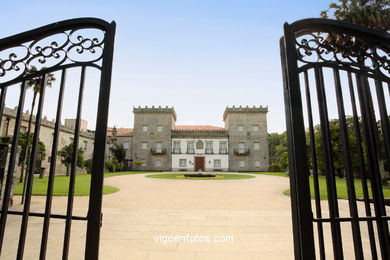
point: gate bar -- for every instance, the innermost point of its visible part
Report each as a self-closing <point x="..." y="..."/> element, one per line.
<point x="49" y="193"/>
<point x="362" y="168"/>
<point x="72" y="177"/>
<point x="357" y="239"/>
<point x="315" y="168"/>
<point x="329" y="167"/>
<point x="29" y="178"/>
<point x="376" y="185"/>
<point x="11" y="164"/>
<point x="2" y="102"/>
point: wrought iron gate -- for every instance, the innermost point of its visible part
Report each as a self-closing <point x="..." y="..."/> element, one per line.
<point x="325" y="63"/>
<point x="57" y="48"/>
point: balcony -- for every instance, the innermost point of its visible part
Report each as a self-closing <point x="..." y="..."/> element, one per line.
<point x="209" y="151"/>
<point x="158" y="151"/>
<point x="223" y="151"/>
<point x="176" y="151"/>
<point x="190" y="151"/>
<point x="241" y="151"/>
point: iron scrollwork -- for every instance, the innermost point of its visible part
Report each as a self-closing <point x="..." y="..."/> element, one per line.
<point x="343" y="49"/>
<point x="72" y="46"/>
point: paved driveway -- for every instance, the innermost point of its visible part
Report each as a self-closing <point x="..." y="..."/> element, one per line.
<point x="251" y="214"/>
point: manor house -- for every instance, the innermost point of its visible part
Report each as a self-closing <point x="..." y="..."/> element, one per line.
<point x="156" y="140"/>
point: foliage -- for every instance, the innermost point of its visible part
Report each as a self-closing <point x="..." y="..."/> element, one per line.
<point x="370" y="13"/>
<point x="113" y="165"/>
<point x="66" y="157"/>
<point x="118" y="152"/>
<point x="274" y="168"/>
<point x="88" y="165"/>
<point x="277" y="146"/>
<point x="139" y="163"/>
<point x="23" y="144"/>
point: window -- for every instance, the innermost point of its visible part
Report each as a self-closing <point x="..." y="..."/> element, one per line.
<point x="23" y="129"/>
<point x="144" y="145"/>
<point x="255" y="128"/>
<point x="190" y="147"/>
<point x="209" y="147"/>
<point x="158" y="162"/>
<point x="240" y="128"/>
<point x="126" y="145"/>
<point x="159" y="128"/>
<point x="223" y="147"/>
<point x="242" y="163"/>
<point x="158" y="147"/>
<point x="176" y="147"/>
<point x="256" y="146"/>
<point x="217" y="163"/>
<point x="85" y="145"/>
<point x="257" y="163"/>
<point x="145" y="128"/>
<point x="183" y="162"/>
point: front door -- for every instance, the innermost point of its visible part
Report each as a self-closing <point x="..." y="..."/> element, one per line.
<point x="199" y="163"/>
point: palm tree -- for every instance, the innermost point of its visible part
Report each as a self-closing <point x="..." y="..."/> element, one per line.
<point x="369" y="13"/>
<point x="36" y="84"/>
<point x="118" y="152"/>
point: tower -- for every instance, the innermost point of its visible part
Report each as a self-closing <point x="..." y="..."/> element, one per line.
<point x="152" y="137"/>
<point x="248" y="143"/>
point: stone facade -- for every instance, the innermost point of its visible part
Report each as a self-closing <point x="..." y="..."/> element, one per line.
<point x="155" y="134"/>
<point x="66" y="136"/>
<point x="152" y="137"/>
<point x="248" y="143"/>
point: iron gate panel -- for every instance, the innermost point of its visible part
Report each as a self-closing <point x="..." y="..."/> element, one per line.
<point x="71" y="44"/>
<point x="325" y="61"/>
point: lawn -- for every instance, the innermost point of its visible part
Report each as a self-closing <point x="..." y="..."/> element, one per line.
<point x="61" y="185"/>
<point x="341" y="186"/>
<point x="283" y="174"/>
<point x="180" y="176"/>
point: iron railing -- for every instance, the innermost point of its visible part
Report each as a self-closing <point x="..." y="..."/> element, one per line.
<point x="241" y="151"/>
<point x="331" y="62"/>
<point x="158" y="151"/>
<point x="58" y="47"/>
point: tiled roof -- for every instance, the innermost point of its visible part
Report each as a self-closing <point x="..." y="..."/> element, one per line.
<point x="121" y="131"/>
<point x="198" y="128"/>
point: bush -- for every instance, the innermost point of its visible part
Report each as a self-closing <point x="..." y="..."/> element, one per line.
<point x="88" y="165"/>
<point x="113" y="166"/>
<point x="274" y="168"/>
<point x="139" y="163"/>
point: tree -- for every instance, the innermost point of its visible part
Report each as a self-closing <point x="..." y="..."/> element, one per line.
<point x="66" y="157"/>
<point x="370" y="13"/>
<point x="36" y="84"/>
<point x="277" y="146"/>
<point x="23" y="139"/>
<point x="118" y="152"/>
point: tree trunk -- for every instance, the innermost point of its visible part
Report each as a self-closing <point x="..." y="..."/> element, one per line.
<point x="67" y="170"/>
<point x="28" y="137"/>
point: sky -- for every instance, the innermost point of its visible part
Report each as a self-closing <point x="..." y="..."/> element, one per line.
<point x="198" y="56"/>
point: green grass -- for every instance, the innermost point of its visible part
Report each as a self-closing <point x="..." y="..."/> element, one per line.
<point x="283" y="174"/>
<point x="61" y="185"/>
<point x="180" y="176"/>
<point x="341" y="186"/>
